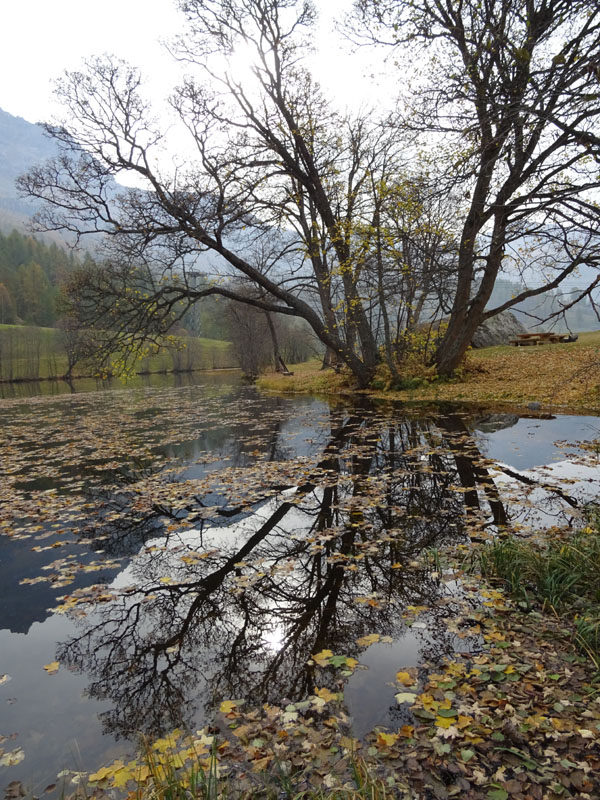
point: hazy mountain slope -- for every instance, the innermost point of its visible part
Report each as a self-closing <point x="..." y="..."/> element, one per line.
<point x="22" y="145"/>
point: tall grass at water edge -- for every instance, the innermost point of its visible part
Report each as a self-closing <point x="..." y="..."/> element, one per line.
<point x="560" y="575"/>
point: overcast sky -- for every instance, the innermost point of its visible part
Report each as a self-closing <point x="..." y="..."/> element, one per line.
<point x="41" y="38"/>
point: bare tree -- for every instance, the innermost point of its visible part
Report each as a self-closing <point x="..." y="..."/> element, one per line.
<point x="78" y="343"/>
<point x="273" y="160"/>
<point x="512" y="102"/>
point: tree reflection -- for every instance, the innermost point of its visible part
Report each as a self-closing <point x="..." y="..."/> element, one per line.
<point x="238" y="610"/>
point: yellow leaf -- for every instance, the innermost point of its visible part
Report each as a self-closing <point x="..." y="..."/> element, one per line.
<point x="444" y="722"/>
<point x="365" y="641"/>
<point x="495" y="636"/>
<point x="405" y="678"/>
<point x="325" y="694"/>
<point x="455" y="668"/>
<point x="52" y="667"/>
<point x="168" y="743"/>
<point x="227" y="706"/>
<point x="322" y="658"/>
<point x="387" y="739"/>
<point x="103" y="772"/>
<point x="142" y="773"/>
<point x="121" y="778"/>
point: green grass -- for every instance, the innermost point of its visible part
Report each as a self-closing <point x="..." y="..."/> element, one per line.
<point x="30" y="353"/>
<point x="560" y="575"/>
<point x="585" y="340"/>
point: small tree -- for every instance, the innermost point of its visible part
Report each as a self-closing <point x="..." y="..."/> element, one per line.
<point x="79" y="344"/>
<point x="250" y="338"/>
<point x="8" y="311"/>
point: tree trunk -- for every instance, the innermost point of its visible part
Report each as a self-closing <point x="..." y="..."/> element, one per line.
<point x="276" y="354"/>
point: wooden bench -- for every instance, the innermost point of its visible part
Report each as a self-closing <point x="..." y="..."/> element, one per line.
<point x="528" y="339"/>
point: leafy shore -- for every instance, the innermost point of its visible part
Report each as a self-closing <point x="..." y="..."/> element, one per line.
<point x="564" y="375"/>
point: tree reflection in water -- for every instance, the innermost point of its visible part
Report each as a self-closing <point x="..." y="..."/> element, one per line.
<point x="236" y="611"/>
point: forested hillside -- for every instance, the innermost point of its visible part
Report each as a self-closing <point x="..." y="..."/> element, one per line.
<point x="30" y="275"/>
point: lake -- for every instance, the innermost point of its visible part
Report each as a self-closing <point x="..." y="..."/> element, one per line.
<point x="166" y="546"/>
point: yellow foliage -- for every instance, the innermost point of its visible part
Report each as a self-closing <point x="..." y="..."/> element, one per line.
<point x="322" y="658"/>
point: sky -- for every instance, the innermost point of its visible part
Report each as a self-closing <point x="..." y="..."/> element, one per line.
<point x="42" y="38"/>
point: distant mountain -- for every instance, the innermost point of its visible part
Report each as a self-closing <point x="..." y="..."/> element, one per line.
<point x="581" y="317"/>
<point x="22" y="146"/>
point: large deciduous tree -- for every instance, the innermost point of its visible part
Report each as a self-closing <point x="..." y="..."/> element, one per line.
<point x="510" y="97"/>
<point x="278" y="189"/>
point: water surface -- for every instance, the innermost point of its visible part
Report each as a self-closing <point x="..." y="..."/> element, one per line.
<point x="172" y="546"/>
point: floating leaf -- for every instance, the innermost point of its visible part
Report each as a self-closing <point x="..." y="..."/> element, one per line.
<point x="322" y="658"/>
<point x="370" y="639"/>
<point x="405" y="678"/>
<point x="52" y="667"/>
<point x="405" y="697"/>
<point x="325" y="694"/>
<point x="12" y="758"/>
<point x="343" y="661"/>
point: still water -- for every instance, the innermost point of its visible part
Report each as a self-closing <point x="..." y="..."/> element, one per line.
<point x="167" y="546"/>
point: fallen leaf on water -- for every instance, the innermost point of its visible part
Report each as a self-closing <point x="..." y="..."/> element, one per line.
<point x="325" y="694"/>
<point x="405" y="697"/>
<point x="12" y="758"/>
<point x="365" y="641"/>
<point x="405" y="678"/>
<point x="322" y="658"/>
<point x="52" y="667"/>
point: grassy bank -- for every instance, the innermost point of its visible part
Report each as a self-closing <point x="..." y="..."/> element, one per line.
<point x="32" y="354"/>
<point x="555" y="375"/>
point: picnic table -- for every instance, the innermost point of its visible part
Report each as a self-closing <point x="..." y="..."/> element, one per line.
<point x="527" y="339"/>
